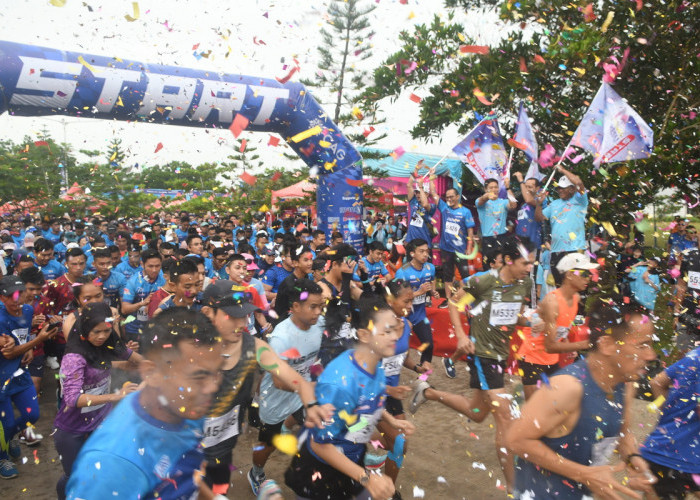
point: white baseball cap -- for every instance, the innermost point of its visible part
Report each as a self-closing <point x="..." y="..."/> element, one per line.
<point x="564" y="182"/>
<point x="575" y="261"/>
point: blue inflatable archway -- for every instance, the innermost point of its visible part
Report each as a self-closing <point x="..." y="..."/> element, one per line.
<point x="37" y="81"/>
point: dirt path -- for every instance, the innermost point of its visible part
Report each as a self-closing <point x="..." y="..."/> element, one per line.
<point x="448" y="458"/>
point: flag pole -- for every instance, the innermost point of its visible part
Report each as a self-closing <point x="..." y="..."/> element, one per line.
<point x="554" y="169"/>
<point x="506" y="172"/>
<point x="447" y="154"/>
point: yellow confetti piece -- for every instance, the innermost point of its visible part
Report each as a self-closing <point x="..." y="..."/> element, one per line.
<point x="286" y="443"/>
<point x="572" y="235"/>
<point x="580" y="71"/>
<point x="58" y="3"/>
<point x="607" y="21"/>
<point x="656" y="404"/>
<point x="609" y="228"/>
<point x="324" y="144"/>
<point x="182" y="409"/>
<point x="347" y="418"/>
<point x="82" y="61"/>
<point x="423" y="347"/>
<point x="120" y="102"/>
<point x="137" y="13"/>
<point x="306" y="134"/>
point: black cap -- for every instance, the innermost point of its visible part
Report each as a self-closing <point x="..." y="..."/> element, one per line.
<point x="230" y="298"/>
<point x="10" y="285"/>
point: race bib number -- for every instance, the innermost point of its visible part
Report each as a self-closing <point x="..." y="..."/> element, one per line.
<point x="98" y="390"/>
<point x="362" y="430"/>
<point x="522" y="214"/>
<point x="392" y="365"/>
<point x="419" y="299"/>
<point x="221" y="428"/>
<point x="142" y="314"/>
<point x="304" y="368"/>
<point x="22" y="335"/>
<point x="504" y="313"/>
<point x="346" y="331"/>
<point x="452" y="228"/>
<point x="694" y="280"/>
<point x="417" y="221"/>
<point x="603" y="450"/>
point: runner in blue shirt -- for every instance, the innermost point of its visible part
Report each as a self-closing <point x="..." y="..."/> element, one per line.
<point x="138" y="291"/>
<point x="132" y="265"/>
<point x="112" y="282"/>
<point x="421" y="275"/>
<point x="371" y="269"/>
<point x="567" y="218"/>
<point x="493" y="211"/>
<point x="43" y="255"/>
<point x="274" y="276"/>
<point x="672" y="447"/>
<point x="527" y="226"/>
<point x="420" y="210"/>
<point x="149" y="446"/>
<point x="354" y="383"/>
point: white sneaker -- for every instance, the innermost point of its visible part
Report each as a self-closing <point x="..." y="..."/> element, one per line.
<point x="52" y="362"/>
<point x="30" y="437"/>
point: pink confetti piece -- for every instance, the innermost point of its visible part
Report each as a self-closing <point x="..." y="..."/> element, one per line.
<point x="425" y="376"/>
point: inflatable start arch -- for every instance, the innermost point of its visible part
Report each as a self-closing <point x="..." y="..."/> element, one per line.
<point x="37" y="81"/>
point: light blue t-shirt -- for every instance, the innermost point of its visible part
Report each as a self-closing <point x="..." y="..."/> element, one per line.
<point x="418" y="222"/>
<point x="416" y="278"/>
<point x="454" y="225"/>
<point x="567" y="219"/>
<point x="136" y="289"/>
<point x="53" y="269"/>
<point x="277" y="404"/>
<point x="133" y="455"/>
<point x="352" y="389"/>
<point x="374" y="270"/>
<point x="492" y="216"/>
<point x="127" y="270"/>
<point x="643" y="292"/>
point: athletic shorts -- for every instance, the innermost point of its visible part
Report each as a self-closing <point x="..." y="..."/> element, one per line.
<point x="532" y="372"/>
<point x="268" y="431"/>
<point x="672" y="483"/>
<point x="302" y="474"/>
<point x="36" y="367"/>
<point x="490" y="376"/>
<point x="394" y="406"/>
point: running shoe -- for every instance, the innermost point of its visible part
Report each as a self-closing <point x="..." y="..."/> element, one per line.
<point x="8" y="469"/>
<point x="269" y="489"/>
<point x="418" y="397"/>
<point x="30" y="437"/>
<point x="52" y="362"/>
<point x="397" y="496"/>
<point x="14" y="450"/>
<point x="450" y="369"/>
<point x="255" y="481"/>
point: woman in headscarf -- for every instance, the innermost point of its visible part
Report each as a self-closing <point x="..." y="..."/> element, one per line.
<point x="85" y="380"/>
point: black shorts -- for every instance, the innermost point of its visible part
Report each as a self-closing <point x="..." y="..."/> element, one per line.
<point x="671" y="483"/>
<point x="449" y="261"/>
<point x="491" y="375"/>
<point x="268" y="431"/>
<point x="394" y="406"/>
<point x="302" y="474"/>
<point x="36" y="367"/>
<point x="532" y="372"/>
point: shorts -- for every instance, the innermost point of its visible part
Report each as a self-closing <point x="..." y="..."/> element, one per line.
<point x="490" y="376"/>
<point x="302" y="473"/>
<point x="532" y="372"/>
<point x="449" y="260"/>
<point x="394" y="406"/>
<point x="672" y="483"/>
<point x="36" y="367"/>
<point x="268" y="431"/>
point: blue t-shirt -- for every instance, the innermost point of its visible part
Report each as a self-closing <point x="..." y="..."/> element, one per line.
<point x="53" y="269"/>
<point x="138" y="288"/>
<point x="374" y="270"/>
<point x="133" y="455"/>
<point x="418" y="222"/>
<point x="643" y="292"/>
<point x="112" y="287"/>
<point x="392" y="365"/>
<point x="275" y="276"/>
<point x="527" y="226"/>
<point x="182" y="235"/>
<point x="277" y="404"/>
<point x="51" y="236"/>
<point x="416" y="278"/>
<point x="492" y="216"/>
<point x="676" y="440"/>
<point x="353" y="390"/>
<point x="567" y="219"/>
<point x="455" y="223"/>
<point x="127" y="270"/>
<point x="59" y="251"/>
<point x="13" y="378"/>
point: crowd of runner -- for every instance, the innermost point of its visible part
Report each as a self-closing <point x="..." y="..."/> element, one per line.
<point x="198" y="325"/>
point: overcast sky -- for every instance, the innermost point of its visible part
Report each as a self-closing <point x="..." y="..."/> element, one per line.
<point x="260" y="36"/>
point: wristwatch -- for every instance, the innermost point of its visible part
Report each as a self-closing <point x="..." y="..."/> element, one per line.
<point x="364" y="479"/>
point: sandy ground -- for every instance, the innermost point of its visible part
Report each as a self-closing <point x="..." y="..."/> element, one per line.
<point x="449" y="457"/>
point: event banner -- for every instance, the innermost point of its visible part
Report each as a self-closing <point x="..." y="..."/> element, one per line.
<point x="37" y="81"/>
<point x="482" y="151"/>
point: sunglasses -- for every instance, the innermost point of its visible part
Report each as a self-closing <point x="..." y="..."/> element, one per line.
<point x="583" y="273"/>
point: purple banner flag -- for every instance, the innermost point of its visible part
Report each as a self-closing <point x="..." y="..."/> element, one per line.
<point x="482" y="151"/>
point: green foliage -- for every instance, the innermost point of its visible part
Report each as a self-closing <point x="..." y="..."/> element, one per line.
<point x="551" y="58"/>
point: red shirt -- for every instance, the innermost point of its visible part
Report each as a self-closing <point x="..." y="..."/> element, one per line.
<point x="60" y="298"/>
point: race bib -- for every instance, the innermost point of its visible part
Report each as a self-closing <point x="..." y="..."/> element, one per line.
<point x="603" y="450"/>
<point x="346" y="331"/>
<point x="694" y="280"/>
<point x="221" y="428"/>
<point x="362" y="430"/>
<point x="98" y="390"/>
<point x="392" y="365"/>
<point x="452" y="228"/>
<point x="142" y="314"/>
<point x="522" y="214"/>
<point x="504" y="313"/>
<point x="22" y="335"/>
<point x="417" y="221"/>
<point x="419" y="299"/>
<point x="304" y="368"/>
